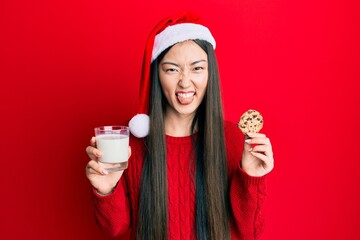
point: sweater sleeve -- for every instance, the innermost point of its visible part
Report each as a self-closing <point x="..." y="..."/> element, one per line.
<point x="112" y="212"/>
<point x="247" y="196"/>
<point x="247" y="193"/>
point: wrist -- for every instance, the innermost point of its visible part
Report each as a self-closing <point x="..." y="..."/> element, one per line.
<point x="105" y="192"/>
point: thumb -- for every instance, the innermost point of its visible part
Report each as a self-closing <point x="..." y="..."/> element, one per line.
<point x="129" y="151"/>
<point x="247" y="145"/>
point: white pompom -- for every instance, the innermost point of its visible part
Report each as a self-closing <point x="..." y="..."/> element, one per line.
<point x="139" y="125"/>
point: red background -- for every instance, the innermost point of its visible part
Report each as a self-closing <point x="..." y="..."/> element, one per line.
<point x="68" y="66"/>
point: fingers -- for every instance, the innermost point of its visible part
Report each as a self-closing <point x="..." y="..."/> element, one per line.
<point x="258" y="139"/>
<point x="93" y="142"/>
<point x="265" y="149"/>
<point x="93" y="152"/>
<point x="93" y="167"/>
<point x="251" y="135"/>
<point x="263" y="145"/>
<point x="268" y="161"/>
<point x="262" y="149"/>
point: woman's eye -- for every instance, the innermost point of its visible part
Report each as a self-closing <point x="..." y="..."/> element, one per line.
<point x="198" y="68"/>
<point x="170" y="70"/>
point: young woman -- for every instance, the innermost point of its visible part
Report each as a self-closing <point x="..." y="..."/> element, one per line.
<point x="192" y="175"/>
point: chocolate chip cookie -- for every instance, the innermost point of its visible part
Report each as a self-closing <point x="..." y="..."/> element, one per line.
<point x="251" y="121"/>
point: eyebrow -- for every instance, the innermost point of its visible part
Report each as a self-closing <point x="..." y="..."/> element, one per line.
<point x="193" y="63"/>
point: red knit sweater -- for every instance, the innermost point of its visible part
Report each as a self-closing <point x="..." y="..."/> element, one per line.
<point x="117" y="213"/>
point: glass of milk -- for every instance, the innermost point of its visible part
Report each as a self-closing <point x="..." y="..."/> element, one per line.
<point x="113" y="143"/>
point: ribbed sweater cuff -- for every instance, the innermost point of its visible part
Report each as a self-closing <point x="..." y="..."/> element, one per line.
<point x="250" y="180"/>
<point x="111" y="198"/>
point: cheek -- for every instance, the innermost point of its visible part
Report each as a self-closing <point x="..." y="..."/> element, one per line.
<point x="167" y="88"/>
<point x="202" y="85"/>
<point x="163" y="82"/>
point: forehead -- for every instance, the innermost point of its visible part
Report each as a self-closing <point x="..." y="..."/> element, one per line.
<point x="185" y="50"/>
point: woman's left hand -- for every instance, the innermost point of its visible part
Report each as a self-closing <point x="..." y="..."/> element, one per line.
<point x="258" y="159"/>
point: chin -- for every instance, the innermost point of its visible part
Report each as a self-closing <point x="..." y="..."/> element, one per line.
<point x="189" y="110"/>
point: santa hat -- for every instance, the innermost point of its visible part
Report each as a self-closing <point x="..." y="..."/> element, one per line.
<point x="165" y="34"/>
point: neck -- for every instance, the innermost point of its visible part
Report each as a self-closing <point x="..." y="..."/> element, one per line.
<point x="178" y="125"/>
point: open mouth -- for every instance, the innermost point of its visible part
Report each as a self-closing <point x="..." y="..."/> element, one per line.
<point x="185" y="97"/>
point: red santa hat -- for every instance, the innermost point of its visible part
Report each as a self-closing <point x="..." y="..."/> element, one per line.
<point x="166" y="33"/>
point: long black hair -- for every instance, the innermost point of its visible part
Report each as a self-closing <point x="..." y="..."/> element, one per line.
<point x="212" y="190"/>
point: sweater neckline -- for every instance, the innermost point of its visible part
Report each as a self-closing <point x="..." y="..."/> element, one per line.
<point x="178" y="140"/>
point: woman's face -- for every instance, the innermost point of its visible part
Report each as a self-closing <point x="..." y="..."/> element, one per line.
<point x="183" y="73"/>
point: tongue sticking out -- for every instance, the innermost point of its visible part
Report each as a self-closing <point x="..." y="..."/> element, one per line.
<point x="185" y="98"/>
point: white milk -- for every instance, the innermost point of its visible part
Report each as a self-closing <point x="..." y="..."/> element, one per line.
<point x="113" y="147"/>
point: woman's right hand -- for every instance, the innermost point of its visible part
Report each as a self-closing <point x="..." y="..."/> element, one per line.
<point x="103" y="181"/>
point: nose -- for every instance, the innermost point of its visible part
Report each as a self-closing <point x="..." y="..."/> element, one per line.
<point x="185" y="80"/>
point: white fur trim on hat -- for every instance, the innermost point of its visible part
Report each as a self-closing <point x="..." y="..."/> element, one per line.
<point x="139" y="125"/>
<point x="179" y="33"/>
